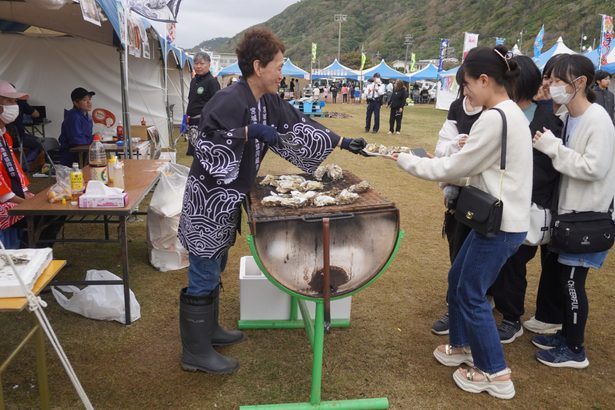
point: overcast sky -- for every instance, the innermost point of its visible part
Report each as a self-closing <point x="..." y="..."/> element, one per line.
<point x="200" y="20"/>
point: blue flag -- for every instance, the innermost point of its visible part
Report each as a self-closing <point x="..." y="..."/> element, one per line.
<point x="443" y="47"/>
<point x="499" y="40"/>
<point x="538" y="41"/>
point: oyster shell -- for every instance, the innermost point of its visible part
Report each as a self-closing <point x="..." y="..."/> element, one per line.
<point x="324" y="200"/>
<point x="320" y="172"/>
<point x="360" y="187"/>
<point x="346" y="197"/>
<point x="293" y="202"/>
<point x="311" y="186"/>
<point x="268" y="180"/>
<point x="271" y="200"/>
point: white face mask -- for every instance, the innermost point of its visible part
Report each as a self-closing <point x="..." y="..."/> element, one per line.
<point x="560" y="95"/>
<point x="9" y="114"/>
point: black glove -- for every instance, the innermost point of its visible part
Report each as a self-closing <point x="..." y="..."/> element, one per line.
<point x="354" y="145"/>
<point x="263" y="133"/>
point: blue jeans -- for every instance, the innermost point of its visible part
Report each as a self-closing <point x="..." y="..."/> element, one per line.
<point x="471" y="320"/>
<point x="204" y="274"/>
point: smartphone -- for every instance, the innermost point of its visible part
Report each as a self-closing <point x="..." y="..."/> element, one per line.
<point x="419" y="152"/>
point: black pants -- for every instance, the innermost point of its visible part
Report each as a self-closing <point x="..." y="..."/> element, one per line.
<point x="395" y="119"/>
<point x="334" y="97"/>
<point x="549" y="300"/>
<point x="508" y="290"/>
<point x="575" y="306"/>
<point x="373" y="107"/>
<point x="344" y="98"/>
<point x="456" y="233"/>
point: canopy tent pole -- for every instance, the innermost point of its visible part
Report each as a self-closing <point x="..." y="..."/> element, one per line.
<point x="124" y="85"/>
<point x="181" y="85"/>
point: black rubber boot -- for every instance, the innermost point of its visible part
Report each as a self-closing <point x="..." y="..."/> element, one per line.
<point x="196" y="323"/>
<point x="221" y="336"/>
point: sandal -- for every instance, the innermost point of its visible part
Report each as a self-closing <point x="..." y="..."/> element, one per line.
<point x="474" y="380"/>
<point x="453" y="356"/>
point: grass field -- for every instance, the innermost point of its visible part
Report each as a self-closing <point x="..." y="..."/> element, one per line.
<point x="387" y="351"/>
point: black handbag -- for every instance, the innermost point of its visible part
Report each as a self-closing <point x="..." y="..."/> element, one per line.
<point x="583" y="232"/>
<point x="479" y="210"/>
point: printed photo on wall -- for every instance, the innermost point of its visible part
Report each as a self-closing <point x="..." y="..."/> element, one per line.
<point x="89" y="11"/>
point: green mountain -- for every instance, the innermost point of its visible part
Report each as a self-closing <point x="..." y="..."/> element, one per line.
<point x="381" y="26"/>
<point x="212" y="44"/>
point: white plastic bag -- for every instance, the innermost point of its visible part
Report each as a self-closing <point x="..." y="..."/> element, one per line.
<point x="166" y="251"/>
<point x="169" y="194"/>
<point x="102" y="302"/>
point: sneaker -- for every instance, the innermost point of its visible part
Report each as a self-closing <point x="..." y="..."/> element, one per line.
<point x="509" y="331"/>
<point x="398" y="133"/>
<point x="546" y="342"/>
<point x="440" y="326"/>
<point x="562" y="356"/>
<point x="389" y="133"/>
<point x="536" y="326"/>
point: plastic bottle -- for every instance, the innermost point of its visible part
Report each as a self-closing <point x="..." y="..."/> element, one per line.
<point x="98" y="161"/>
<point x="143" y="121"/>
<point x="116" y="173"/>
<point x="120" y="131"/>
<point x="76" y="181"/>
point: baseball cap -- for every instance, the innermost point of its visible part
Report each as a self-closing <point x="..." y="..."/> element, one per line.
<point x="80" y="92"/>
<point x="7" y="90"/>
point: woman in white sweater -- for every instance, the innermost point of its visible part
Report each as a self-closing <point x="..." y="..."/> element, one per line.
<point x="473" y="335"/>
<point x="584" y="157"/>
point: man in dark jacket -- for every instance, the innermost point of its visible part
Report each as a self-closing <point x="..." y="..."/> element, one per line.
<point x="603" y="96"/>
<point x="202" y="87"/>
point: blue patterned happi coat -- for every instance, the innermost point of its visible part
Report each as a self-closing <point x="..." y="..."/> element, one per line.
<point x="225" y="165"/>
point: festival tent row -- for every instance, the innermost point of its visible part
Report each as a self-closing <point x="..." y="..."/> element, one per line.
<point x="385" y="71"/>
<point x="428" y="73"/>
<point x="288" y="70"/>
<point x="335" y="70"/>
<point x="79" y="53"/>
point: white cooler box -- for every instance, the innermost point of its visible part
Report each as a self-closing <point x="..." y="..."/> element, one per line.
<point x="261" y="300"/>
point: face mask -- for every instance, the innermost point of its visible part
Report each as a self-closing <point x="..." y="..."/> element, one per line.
<point x="559" y="94"/>
<point x="9" y="114"/>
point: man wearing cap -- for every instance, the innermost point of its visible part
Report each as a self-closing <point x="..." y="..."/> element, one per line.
<point x="13" y="181"/>
<point x="603" y="96"/>
<point x="77" y="125"/>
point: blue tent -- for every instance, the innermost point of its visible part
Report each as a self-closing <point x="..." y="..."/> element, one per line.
<point x="593" y="55"/>
<point x="335" y="70"/>
<point x="452" y="71"/>
<point x="291" y="70"/>
<point x="428" y="73"/>
<point x="385" y="72"/>
<point x="558" y="48"/>
<point x="232" y="69"/>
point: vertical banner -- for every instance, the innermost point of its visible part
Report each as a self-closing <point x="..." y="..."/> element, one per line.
<point x="363" y="58"/>
<point x="470" y="41"/>
<point x="538" y="41"/>
<point x="500" y="41"/>
<point x="412" y="62"/>
<point x="443" y="47"/>
<point x="314" y="47"/>
<point x="606" y="38"/>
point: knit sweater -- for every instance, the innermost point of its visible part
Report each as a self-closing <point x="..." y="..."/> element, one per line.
<point x="480" y="160"/>
<point x="588" y="176"/>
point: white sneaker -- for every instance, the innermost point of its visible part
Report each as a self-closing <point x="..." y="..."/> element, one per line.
<point x="542" y="328"/>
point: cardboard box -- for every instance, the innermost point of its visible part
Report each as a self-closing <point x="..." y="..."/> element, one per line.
<point x="139" y="131"/>
<point x="259" y="299"/>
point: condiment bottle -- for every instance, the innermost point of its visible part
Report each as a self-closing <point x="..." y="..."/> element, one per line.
<point x="76" y="181"/>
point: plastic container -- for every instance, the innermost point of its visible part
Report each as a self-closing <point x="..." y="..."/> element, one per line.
<point x="116" y="172"/>
<point x="98" y="161"/>
<point x="76" y="181"/>
<point x="143" y="121"/>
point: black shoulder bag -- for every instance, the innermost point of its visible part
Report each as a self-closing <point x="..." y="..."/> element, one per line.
<point x="581" y="232"/>
<point x="478" y="209"/>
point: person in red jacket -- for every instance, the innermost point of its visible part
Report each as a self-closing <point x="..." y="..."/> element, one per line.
<point x="13" y="181"/>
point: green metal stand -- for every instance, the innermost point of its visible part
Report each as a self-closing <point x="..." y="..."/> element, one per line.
<point x="316" y="336"/>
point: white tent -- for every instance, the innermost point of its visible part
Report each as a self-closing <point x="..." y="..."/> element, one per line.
<point x="49" y="67"/>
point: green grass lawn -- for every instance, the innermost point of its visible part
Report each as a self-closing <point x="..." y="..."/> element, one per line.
<point x="387" y="351"/>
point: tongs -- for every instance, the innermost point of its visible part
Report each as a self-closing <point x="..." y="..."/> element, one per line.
<point x="286" y="140"/>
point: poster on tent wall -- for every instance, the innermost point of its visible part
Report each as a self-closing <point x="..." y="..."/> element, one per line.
<point x="89" y="11"/>
<point x="135" y="41"/>
<point x="470" y="41"/>
<point x="606" y="39"/>
<point x="446" y="92"/>
<point x="158" y="10"/>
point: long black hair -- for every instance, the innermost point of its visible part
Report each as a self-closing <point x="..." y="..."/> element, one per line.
<point x="496" y="63"/>
<point x="569" y="67"/>
<point x="529" y="80"/>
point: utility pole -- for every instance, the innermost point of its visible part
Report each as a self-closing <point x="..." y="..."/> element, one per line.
<point x="339" y="18"/>
<point x="407" y="42"/>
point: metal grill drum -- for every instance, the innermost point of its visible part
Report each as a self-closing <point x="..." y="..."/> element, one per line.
<point x="289" y="242"/>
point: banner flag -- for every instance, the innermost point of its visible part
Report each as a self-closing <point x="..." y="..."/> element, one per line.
<point x="470" y="41"/>
<point x="443" y="47"/>
<point x="412" y="62"/>
<point x="363" y="58"/>
<point x="314" y="46"/>
<point x="500" y="41"/>
<point x="606" y="39"/>
<point x="157" y="10"/>
<point x="538" y="41"/>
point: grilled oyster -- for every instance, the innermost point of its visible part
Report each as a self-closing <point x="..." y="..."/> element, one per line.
<point x="346" y="197"/>
<point x="359" y="188"/>
<point x="311" y="186"/>
<point x="268" y="180"/>
<point x="324" y="200"/>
